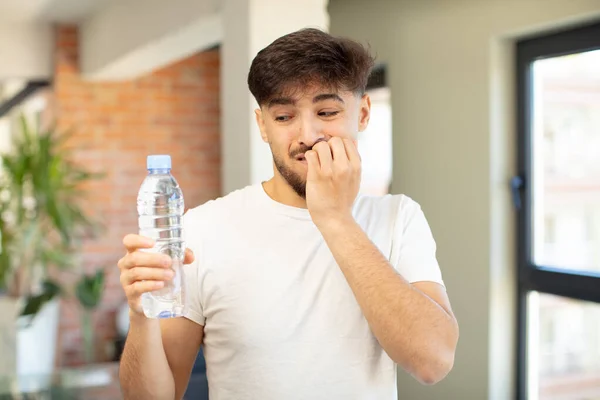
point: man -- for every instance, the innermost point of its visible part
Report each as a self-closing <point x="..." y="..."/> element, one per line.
<point x="299" y="288"/>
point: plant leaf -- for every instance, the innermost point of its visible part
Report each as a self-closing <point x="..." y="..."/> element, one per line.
<point x="33" y="304"/>
<point x="89" y="290"/>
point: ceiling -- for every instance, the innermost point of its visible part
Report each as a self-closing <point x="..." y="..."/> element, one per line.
<point x="48" y="10"/>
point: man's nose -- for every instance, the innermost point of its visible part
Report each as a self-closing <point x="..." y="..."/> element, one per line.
<point x="310" y="133"/>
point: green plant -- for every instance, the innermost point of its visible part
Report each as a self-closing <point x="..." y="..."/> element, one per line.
<point x="42" y="220"/>
<point x="89" y="290"/>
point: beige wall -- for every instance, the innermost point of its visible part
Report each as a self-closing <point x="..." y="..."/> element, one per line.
<point x="25" y="50"/>
<point x="450" y="68"/>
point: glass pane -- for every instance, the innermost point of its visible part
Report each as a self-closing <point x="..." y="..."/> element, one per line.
<point x="375" y="145"/>
<point x="566" y="162"/>
<point x="564" y="348"/>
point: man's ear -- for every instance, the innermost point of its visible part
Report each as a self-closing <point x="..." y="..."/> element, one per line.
<point x="261" y="125"/>
<point x="364" y="113"/>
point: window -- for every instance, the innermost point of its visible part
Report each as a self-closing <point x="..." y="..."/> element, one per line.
<point x="557" y="194"/>
<point x="375" y="142"/>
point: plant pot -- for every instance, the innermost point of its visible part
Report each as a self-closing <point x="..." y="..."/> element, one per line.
<point x="29" y="346"/>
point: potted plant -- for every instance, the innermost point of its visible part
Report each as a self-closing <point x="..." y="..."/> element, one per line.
<point x="42" y="224"/>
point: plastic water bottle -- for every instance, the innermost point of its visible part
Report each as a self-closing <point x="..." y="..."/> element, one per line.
<point x="160" y="210"/>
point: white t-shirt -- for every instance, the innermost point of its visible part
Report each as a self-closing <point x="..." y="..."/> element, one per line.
<point x="280" y="321"/>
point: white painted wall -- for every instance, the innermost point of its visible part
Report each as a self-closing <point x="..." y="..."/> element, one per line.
<point x="450" y="67"/>
<point x="5" y="135"/>
<point x="249" y="26"/>
<point x="236" y="102"/>
<point x="25" y="50"/>
<point x="126" y="39"/>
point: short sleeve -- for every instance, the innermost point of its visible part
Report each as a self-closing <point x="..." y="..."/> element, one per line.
<point x="193" y="309"/>
<point x="413" y="252"/>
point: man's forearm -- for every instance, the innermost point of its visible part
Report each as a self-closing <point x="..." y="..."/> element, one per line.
<point x="414" y="330"/>
<point x="144" y="370"/>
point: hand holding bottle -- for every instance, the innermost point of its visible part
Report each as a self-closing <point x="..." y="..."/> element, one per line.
<point x="144" y="272"/>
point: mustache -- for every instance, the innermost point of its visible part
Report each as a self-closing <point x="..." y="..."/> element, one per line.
<point x="304" y="148"/>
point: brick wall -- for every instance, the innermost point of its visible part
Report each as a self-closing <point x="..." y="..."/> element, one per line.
<point x="175" y="111"/>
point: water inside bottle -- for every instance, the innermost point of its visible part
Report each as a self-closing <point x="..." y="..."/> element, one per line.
<point x="160" y="210"/>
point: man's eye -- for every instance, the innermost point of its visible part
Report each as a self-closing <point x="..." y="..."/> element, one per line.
<point x="328" y="113"/>
<point x="282" y="118"/>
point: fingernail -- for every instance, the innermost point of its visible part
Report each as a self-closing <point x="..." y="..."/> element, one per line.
<point x="168" y="274"/>
<point x="159" y="284"/>
<point x="167" y="261"/>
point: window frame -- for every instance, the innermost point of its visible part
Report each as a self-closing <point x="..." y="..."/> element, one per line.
<point x="530" y="277"/>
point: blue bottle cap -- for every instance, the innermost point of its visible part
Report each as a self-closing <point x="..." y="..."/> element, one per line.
<point x="158" y="162"/>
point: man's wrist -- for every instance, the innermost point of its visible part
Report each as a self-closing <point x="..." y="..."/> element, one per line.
<point x="137" y="315"/>
<point x="336" y="224"/>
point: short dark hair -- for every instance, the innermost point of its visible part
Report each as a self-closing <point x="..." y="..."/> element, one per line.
<point x="306" y="57"/>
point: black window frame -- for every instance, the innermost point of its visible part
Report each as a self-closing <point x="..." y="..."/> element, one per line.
<point x="571" y="284"/>
<point x="30" y="88"/>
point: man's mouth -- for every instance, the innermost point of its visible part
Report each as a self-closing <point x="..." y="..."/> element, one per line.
<point x="300" y="157"/>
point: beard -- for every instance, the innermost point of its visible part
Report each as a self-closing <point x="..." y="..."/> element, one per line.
<point x="296" y="182"/>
